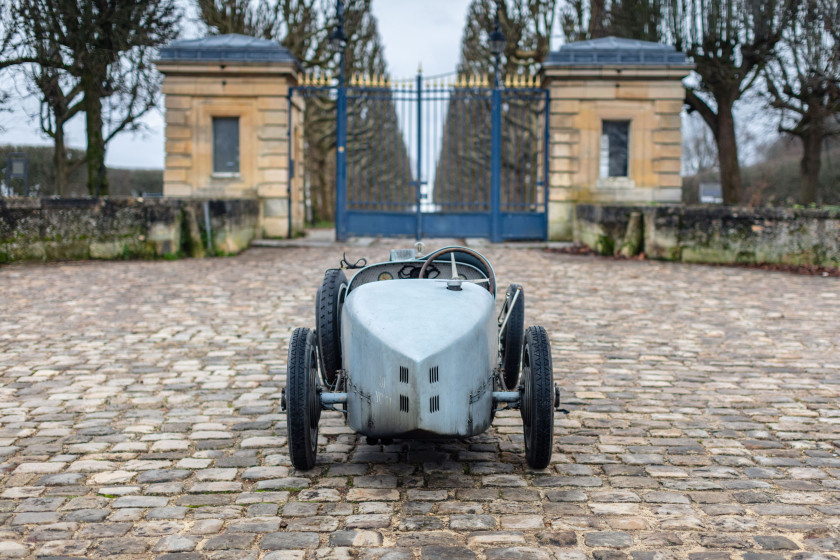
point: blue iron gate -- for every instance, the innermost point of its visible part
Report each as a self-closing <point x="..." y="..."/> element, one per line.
<point x="427" y="159"/>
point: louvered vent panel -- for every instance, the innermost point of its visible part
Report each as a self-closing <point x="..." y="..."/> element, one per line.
<point x="434" y="403"/>
<point x="403" y="403"/>
<point x="434" y="375"/>
<point x="403" y="374"/>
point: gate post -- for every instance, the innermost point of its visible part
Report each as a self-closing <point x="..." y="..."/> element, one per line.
<point x="495" y="165"/>
<point x="341" y="158"/>
<point x="419" y="154"/>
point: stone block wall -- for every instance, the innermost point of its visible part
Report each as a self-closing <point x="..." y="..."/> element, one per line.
<point x="717" y="234"/>
<point x="68" y="229"/>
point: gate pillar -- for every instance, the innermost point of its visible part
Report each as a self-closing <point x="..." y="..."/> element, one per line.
<point x="614" y="125"/>
<point x="229" y="129"/>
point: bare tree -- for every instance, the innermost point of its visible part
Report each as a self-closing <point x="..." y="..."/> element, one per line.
<point x="729" y="41"/>
<point x="7" y="38"/>
<point x="582" y="20"/>
<point x="527" y="26"/>
<point x="102" y="49"/>
<point x="699" y="150"/>
<point x="637" y="19"/>
<point x="803" y="81"/>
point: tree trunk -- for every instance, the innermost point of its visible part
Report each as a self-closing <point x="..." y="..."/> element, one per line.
<point x="730" y="172"/>
<point x="97" y="181"/>
<point x="60" y="158"/>
<point x="812" y="140"/>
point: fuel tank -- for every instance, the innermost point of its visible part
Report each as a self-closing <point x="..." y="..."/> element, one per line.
<point x="419" y="358"/>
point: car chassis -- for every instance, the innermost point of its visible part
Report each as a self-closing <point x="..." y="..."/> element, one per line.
<point x="413" y="348"/>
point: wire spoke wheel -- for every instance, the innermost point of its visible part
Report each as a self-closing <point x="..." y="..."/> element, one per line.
<point x="303" y="401"/>
<point x="537" y="389"/>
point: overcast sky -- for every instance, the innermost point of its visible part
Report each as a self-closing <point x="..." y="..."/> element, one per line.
<point x="413" y="32"/>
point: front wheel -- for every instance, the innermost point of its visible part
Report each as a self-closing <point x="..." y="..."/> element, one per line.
<point x="303" y="402"/>
<point x="537" y="389"/>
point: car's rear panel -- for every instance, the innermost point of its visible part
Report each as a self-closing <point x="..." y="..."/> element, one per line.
<point x="419" y="358"/>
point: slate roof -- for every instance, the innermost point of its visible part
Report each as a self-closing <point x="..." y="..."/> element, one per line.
<point x="614" y="51"/>
<point x="226" y="48"/>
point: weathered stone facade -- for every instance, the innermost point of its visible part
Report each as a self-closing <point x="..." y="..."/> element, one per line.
<point x="247" y="79"/>
<point x="613" y="80"/>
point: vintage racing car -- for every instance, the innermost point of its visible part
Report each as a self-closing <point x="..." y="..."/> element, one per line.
<point x="413" y="348"/>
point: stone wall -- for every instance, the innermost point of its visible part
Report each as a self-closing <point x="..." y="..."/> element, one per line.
<point x="716" y="234"/>
<point x="65" y="229"/>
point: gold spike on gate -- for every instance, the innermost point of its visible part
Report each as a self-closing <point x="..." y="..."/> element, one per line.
<point x="508" y="81"/>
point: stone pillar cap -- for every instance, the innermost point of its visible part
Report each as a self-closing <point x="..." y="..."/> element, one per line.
<point x="615" y="51"/>
<point x="231" y="49"/>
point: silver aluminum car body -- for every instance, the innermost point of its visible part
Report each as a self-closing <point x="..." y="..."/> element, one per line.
<point x="419" y="358"/>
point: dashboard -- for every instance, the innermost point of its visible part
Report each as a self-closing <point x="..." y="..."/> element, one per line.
<point x="411" y="269"/>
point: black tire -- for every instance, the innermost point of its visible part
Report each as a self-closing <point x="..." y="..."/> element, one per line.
<point x="513" y="336"/>
<point x="303" y="406"/>
<point x="328" y="304"/>
<point x="537" y="398"/>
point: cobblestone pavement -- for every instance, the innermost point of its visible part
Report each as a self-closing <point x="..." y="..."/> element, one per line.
<point x="139" y="418"/>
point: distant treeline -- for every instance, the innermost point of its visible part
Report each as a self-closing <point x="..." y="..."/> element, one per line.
<point x="775" y="180"/>
<point x="42" y="176"/>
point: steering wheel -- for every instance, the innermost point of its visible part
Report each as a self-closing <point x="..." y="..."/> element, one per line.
<point x="491" y="281"/>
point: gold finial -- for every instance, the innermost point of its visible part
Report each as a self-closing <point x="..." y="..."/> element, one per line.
<point x="329" y="77"/>
<point x="485" y="80"/>
<point x="419" y="67"/>
<point x="508" y="81"/>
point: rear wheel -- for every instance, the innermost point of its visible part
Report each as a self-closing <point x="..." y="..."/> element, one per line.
<point x="537" y="388"/>
<point x="303" y="406"/>
<point x="512" y="336"/>
<point x="328" y="304"/>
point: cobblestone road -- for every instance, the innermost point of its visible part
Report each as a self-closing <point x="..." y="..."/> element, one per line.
<point x="139" y="418"/>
